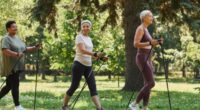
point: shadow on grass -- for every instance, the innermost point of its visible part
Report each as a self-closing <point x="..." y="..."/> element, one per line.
<point x="111" y="100"/>
<point x="49" y="79"/>
<point x="104" y="79"/>
<point x="179" y="80"/>
<point x="117" y="100"/>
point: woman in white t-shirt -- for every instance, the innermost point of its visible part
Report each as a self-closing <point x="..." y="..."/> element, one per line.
<point x="83" y="66"/>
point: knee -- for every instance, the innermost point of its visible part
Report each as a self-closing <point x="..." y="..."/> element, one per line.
<point x="93" y="89"/>
<point x="151" y="84"/>
<point x="93" y="93"/>
<point x="72" y="89"/>
<point x="15" y="86"/>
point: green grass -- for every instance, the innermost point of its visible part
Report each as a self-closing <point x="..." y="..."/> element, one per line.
<point x="50" y="95"/>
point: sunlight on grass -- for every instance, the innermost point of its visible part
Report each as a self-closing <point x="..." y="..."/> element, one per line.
<point x="50" y="95"/>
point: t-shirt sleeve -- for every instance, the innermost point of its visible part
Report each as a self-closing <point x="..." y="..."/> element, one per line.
<point x="5" y="44"/>
<point x="79" y="40"/>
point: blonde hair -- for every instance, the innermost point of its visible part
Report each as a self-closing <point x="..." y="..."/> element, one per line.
<point x="144" y="13"/>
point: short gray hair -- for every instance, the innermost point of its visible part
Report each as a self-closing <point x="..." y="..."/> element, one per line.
<point x="144" y="13"/>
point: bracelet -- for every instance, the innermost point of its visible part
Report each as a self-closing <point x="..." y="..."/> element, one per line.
<point x="95" y="54"/>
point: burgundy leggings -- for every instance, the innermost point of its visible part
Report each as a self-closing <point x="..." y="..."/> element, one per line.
<point x="146" y="68"/>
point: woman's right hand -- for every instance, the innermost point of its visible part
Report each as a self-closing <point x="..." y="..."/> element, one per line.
<point x="20" y="54"/>
<point x="104" y="59"/>
<point x="154" y="42"/>
<point x="100" y="54"/>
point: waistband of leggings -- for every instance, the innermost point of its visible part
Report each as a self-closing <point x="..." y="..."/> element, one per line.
<point x="79" y="63"/>
<point x="144" y="51"/>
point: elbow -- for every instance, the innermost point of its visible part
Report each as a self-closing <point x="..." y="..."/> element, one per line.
<point x="6" y="53"/>
<point x="135" y="45"/>
<point x="82" y="51"/>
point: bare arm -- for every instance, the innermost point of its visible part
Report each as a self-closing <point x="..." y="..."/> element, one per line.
<point x="137" y="38"/>
<point x="83" y="50"/>
<point x="10" y="53"/>
<point x="31" y="49"/>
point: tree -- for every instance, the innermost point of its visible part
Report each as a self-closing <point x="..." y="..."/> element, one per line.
<point x="111" y="6"/>
<point x="131" y="21"/>
<point x="170" y="12"/>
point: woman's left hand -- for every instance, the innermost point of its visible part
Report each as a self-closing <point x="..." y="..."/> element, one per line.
<point x="104" y="59"/>
<point x="95" y="58"/>
<point x="161" y="40"/>
<point x="38" y="46"/>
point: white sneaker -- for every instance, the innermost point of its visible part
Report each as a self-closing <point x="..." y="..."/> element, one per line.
<point x="65" y="108"/>
<point x="133" y="106"/>
<point x="19" y="108"/>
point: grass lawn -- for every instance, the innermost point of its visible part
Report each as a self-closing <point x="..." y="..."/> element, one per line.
<point x="50" y="94"/>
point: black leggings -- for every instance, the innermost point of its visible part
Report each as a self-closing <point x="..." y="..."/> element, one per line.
<point x="12" y="83"/>
<point x="77" y="70"/>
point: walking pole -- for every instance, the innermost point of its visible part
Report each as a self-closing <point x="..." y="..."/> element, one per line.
<point x="12" y="69"/>
<point x="36" y="76"/>
<point x="85" y="84"/>
<point x="166" y="78"/>
<point x="36" y="79"/>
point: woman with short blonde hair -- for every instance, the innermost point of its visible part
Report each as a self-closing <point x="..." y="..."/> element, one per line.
<point x="143" y="41"/>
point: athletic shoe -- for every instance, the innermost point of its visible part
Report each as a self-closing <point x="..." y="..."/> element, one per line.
<point x="133" y="106"/>
<point x="19" y="108"/>
<point x="64" y="108"/>
<point x="101" y="109"/>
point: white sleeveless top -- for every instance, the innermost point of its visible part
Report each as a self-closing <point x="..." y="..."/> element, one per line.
<point x="80" y="57"/>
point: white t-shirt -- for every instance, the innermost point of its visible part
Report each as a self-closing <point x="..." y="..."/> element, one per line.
<point x="80" y="57"/>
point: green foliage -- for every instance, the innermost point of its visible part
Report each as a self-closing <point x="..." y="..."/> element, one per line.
<point x="45" y="12"/>
<point x="177" y="21"/>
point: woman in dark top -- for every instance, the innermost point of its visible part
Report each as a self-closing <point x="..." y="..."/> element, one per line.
<point x="144" y="42"/>
<point x="12" y="49"/>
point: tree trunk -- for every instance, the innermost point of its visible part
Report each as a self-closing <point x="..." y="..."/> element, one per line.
<point x="55" y="79"/>
<point x="133" y="78"/>
<point x="196" y="73"/>
<point x="109" y="76"/>
<point x="43" y="76"/>
<point x="156" y="69"/>
<point x="183" y="71"/>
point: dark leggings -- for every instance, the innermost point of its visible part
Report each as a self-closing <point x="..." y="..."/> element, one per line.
<point x="146" y="68"/>
<point x="12" y="83"/>
<point x="77" y="70"/>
